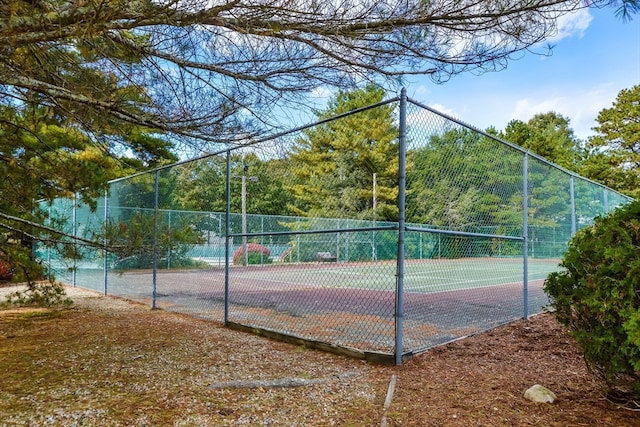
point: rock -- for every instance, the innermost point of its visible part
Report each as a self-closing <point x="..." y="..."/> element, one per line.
<point x="538" y="393"/>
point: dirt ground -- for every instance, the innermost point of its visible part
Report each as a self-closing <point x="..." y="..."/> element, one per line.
<point x="109" y="362"/>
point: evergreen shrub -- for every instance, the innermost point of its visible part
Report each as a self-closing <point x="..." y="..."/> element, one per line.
<point x="597" y="296"/>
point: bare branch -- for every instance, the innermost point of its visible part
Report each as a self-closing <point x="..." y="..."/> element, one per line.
<point x="200" y="64"/>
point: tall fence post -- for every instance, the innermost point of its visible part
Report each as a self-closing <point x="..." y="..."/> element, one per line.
<point x="155" y="241"/>
<point x="74" y="230"/>
<point x="227" y="232"/>
<point x="402" y="153"/>
<point x="50" y="224"/>
<point x="169" y="246"/>
<point x="525" y="235"/>
<point x="573" y="205"/>
<point x="105" y="252"/>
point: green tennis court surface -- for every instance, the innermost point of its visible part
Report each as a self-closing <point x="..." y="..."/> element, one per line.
<point x="421" y="276"/>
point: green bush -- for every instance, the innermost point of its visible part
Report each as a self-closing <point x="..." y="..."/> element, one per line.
<point x="256" y="254"/>
<point x="258" y="258"/>
<point x="597" y="297"/>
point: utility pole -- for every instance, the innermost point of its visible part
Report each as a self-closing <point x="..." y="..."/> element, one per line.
<point x="375" y="203"/>
<point x="245" y="255"/>
<point x="243" y="195"/>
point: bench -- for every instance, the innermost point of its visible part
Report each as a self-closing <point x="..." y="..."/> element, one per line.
<point x="326" y="257"/>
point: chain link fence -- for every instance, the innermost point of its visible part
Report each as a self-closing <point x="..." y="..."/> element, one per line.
<point x="379" y="233"/>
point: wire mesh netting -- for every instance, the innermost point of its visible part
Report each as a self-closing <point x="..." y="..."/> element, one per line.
<point x="385" y="231"/>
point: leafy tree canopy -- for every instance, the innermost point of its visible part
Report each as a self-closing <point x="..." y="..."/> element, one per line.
<point x="203" y="185"/>
<point x="42" y="157"/>
<point x="462" y="180"/>
<point x="548" y="135"/>
<point x="614" y="152"/>
<point x="334" y="165"/>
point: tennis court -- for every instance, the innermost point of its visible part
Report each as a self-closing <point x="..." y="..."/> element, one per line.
<point x="350" y="305"/>
<point x="426" y="244"/>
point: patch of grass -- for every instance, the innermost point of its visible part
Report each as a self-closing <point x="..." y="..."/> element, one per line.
<point x="40" y="314"/>
<point x="26" y="313"/>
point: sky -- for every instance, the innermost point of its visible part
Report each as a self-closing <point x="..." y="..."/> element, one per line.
<point x="595" y="56"/>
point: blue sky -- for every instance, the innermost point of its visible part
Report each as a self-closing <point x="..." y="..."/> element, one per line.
<point x="595" y="56"/>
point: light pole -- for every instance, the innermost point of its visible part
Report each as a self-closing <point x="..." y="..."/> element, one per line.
<point x="375" y="204"/>
<point x="245" y="255"/>
<point x="243" y="195"/>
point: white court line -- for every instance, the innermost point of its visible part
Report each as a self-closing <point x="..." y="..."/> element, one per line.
<point x="443" y="288"/>
<point x="488" y="269"/>
<point x="448" y="277"/>
<point x="362" y="273"/>
<point x="455" y="284"/>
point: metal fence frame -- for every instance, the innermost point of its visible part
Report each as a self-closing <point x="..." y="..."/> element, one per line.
<point x="401" y="227"/>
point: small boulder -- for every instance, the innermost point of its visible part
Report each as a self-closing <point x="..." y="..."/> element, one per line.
<point x="538" y="393"/>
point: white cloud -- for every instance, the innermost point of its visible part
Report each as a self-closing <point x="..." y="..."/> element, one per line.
<point x="444" y="110"/>
<point x="422" y="92"/>
<point x="580" y="108"/>
<point x="572" y="24"/>
<point x="321" y="92"/>
<point x="419" y="91"/>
